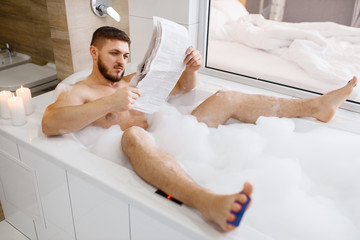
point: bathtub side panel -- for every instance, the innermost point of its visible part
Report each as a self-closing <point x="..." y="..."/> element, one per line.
<point x="97" y="214"/>
<point x="54" y="197"/>
<point x="144" y="226"/>
<point x="12" y="190"/>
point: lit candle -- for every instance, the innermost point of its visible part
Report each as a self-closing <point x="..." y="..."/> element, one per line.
<point x="25" y="94"/>
<point x="4" y="109"/>
<point x="17" y="110"/>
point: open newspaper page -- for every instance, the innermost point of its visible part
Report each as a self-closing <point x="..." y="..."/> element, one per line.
<point x="162" y="65"/>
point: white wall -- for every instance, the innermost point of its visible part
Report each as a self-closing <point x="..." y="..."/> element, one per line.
<point x="184" y="12"/>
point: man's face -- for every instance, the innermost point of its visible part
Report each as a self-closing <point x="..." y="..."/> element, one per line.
<point x="112" y="59"/>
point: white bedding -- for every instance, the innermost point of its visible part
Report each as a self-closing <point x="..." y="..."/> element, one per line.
<point x="326" y="55"/>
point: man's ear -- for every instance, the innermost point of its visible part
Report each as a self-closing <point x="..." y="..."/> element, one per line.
<point x="93" y="52"/>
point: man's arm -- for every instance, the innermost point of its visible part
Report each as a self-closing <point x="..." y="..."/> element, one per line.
<point x="69" y="113"/>
<point x="60" y="119"/>
<point x="188" y="78"/>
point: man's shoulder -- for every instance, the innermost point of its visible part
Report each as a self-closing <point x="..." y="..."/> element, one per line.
<point x="75" y="93"/>
<point x="81" y="84"/>
<point x="83" y="87"/>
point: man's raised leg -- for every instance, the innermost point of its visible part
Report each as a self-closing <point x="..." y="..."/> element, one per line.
<point x="164" y="172"/>
<point x="223" y="105"/>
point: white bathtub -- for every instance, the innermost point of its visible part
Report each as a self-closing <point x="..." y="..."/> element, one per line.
<point x="52" y="188"/>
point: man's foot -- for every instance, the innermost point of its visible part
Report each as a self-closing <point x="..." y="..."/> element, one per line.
<point x="330" y="102"/>
<point x="218" y="209"/>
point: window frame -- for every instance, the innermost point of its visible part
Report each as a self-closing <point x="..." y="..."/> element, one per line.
<point x="203" y="34"/>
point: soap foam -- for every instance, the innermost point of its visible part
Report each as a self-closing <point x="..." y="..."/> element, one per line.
<point x="305" y="184"/>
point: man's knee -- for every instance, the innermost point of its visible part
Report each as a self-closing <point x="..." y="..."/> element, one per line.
<point x="225" y="95"/>
<point x="130" y="137"/>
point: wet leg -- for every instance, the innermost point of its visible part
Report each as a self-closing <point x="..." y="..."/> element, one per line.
<point x="223" y="105"/>
<point x="164" y="172"/>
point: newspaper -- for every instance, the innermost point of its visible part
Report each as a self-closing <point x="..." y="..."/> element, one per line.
<point x="162" y="65"/>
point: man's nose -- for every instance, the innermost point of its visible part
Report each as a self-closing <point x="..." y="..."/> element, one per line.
<point x="121" y="60"/>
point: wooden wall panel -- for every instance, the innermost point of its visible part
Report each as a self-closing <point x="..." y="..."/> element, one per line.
<point x="24" y="24"/>
<point x="2" y="217"/>
<point x="60" y="38"/>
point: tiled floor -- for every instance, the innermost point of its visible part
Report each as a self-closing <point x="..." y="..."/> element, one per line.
<point x="7" y="232"/>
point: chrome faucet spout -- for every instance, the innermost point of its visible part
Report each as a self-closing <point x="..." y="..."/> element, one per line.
<point x="9" y="49"/>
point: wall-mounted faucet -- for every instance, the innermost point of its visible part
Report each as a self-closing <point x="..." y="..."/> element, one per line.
<point x="8" y="49"/>
<point x="102" y="8"/>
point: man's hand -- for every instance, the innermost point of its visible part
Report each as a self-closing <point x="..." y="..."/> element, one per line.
<point x="124" y="98"/>
<point x="188" y="78"/>
<point x="193" y="59"/>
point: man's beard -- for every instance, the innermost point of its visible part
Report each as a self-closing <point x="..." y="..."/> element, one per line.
<point x="104" y="71"/>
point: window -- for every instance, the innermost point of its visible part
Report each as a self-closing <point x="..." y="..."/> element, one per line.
<point x="279" y="50"/>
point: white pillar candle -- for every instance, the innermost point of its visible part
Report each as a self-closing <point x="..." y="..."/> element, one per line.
<point x="4" y="109"/>
<point x="25" y="94"/>
<point x="17" y="110"/>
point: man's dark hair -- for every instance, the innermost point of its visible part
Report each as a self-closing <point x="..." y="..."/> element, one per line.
<point x="108" y="32"/>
